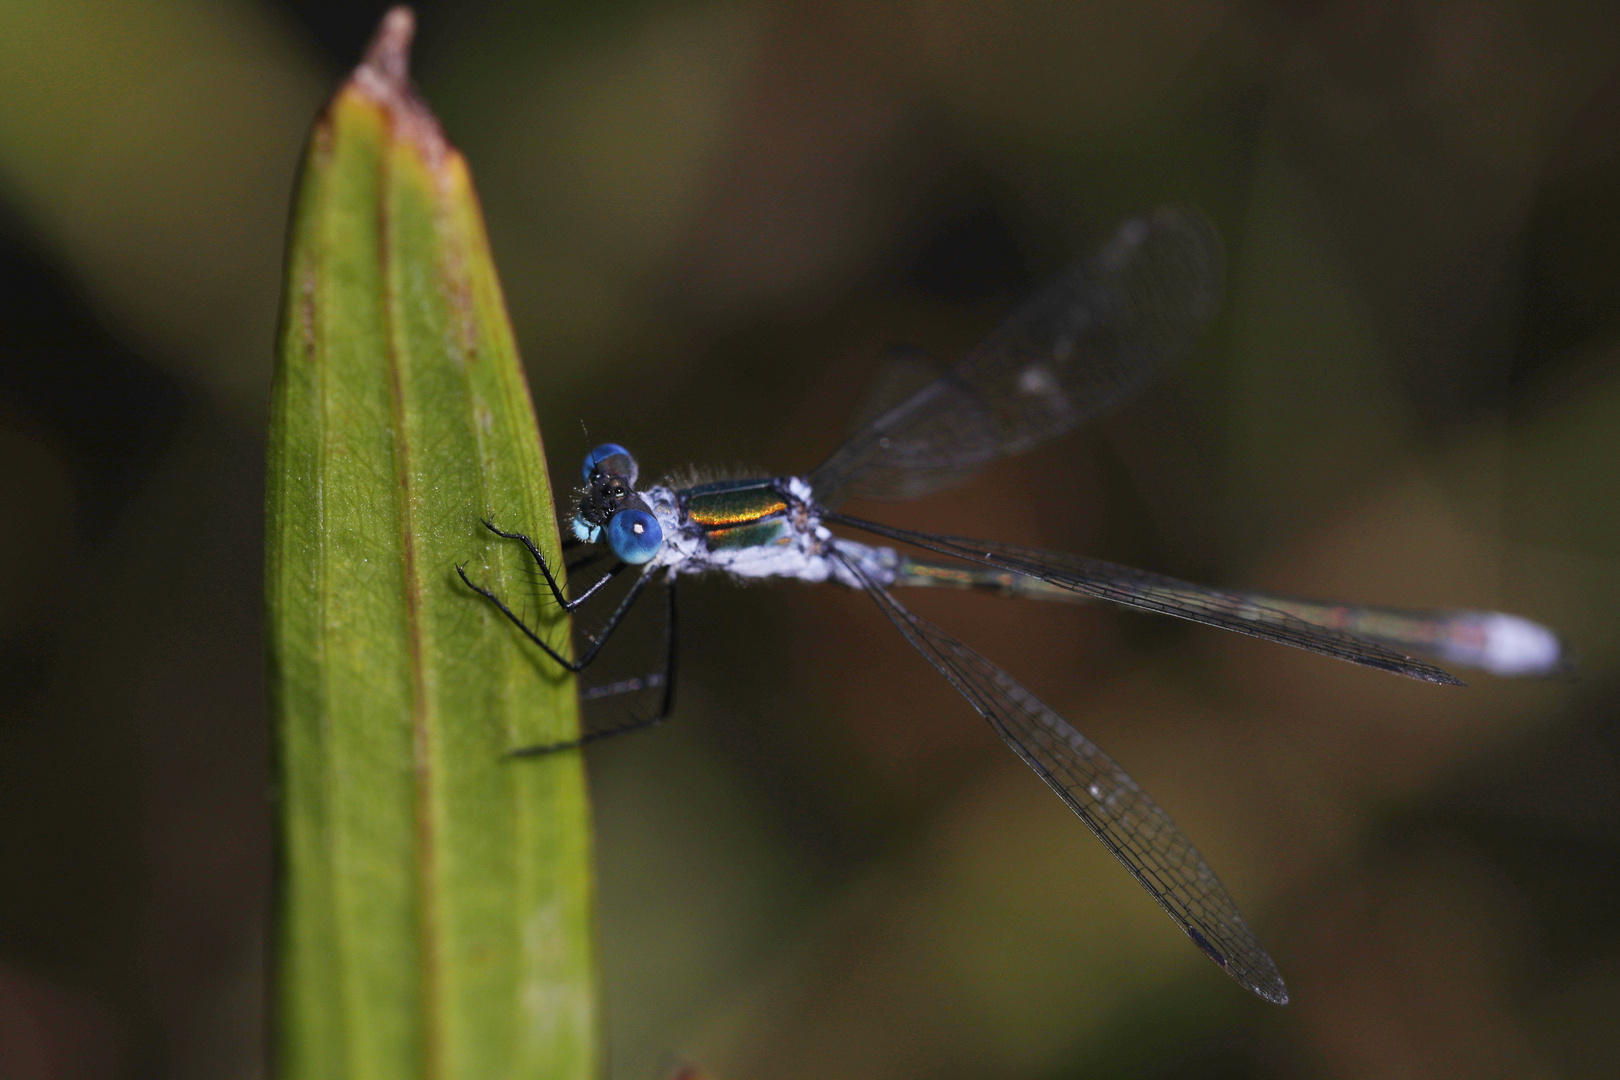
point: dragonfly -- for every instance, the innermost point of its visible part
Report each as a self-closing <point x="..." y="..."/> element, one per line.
<point x="1082" y="345"/>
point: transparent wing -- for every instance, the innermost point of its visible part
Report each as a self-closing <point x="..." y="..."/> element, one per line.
<point x="1240" y="612"/>
<point x="1131" y="825"/>
<point x="901" y="372"/>
<point x="1090" y="339"/>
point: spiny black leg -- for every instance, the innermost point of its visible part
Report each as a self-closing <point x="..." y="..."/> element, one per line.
<point x="667" y="678"/>
<point x="597" y="642"/>
<point x="540" y="561"/>
<point x="615" y="619"/>
<point x="669" y="646"/>
<point x="500" y="605"/>
<point x="618" y="569"/>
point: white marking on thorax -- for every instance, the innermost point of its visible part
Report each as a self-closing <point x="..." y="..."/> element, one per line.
<point x="805" y="557"/>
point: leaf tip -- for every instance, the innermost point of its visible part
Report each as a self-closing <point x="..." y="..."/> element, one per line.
<point x="388" y="57"/>
<point x="384" y="76"/>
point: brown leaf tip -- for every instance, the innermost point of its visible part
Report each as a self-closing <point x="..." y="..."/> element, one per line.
<point x="388" y="57"/>
<point x="385" y="77"/>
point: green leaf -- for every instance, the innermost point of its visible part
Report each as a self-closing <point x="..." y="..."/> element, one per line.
<point x="434" y="896"/>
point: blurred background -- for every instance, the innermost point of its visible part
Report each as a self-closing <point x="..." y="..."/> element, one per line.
<point x="711" y="218"/>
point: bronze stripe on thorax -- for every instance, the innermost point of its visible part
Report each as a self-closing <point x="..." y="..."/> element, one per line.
<point x="726" y="508"/>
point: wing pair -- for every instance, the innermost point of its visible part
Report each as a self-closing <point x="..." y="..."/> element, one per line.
<point x="1129" y="824"/>
<point x="1085" y="343"/>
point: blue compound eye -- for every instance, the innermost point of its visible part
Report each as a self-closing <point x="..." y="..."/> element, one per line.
<point x="634" y="535"/>
<point x="613" y="458"/>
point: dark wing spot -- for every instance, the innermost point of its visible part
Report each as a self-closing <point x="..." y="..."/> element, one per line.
<point x="1203" y="943"/>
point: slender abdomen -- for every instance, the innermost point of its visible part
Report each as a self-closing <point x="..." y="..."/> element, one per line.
<point x="1490" y="640"/>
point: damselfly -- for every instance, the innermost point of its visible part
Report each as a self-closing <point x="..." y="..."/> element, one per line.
<point x="1087" y="341"/>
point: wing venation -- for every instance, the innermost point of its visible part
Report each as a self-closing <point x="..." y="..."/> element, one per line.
<point x="1130" y="825"/>
<point x="1083" y="344"/>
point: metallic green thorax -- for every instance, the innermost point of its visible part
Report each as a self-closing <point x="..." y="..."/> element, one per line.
<point x="738" y="513"/>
